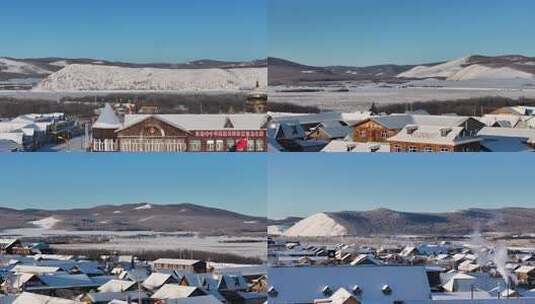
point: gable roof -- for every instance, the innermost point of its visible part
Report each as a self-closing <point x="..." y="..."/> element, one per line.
<point x="305" y="284"/>
<point x="173" y="291"/>
<point x="201" y="122"/>
<point x="116" y="286"/>
<point x="431" y="134"/>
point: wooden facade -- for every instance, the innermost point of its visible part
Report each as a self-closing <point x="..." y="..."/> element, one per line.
<point x="156" y="135"/>
<point x="179" y="265"/>
<point x="397" y="146"/>
<point x="372" y="131"/>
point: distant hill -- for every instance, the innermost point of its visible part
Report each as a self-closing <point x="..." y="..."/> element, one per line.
<point x="385" y="221"/>
<point x="142" y="216"/>
<point x="21" y="68"/>
<point x="284" y="72"/>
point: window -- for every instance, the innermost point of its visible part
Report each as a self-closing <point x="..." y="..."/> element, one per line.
<point x="219" y="145"/>
<point x="194" y="145"/>
<point x="428" y="149"/>
<point x="210" y="145"/>
<point x="444" y="149"/>
<point x="362" y="133"/>
<point x="259" y="145"/>
<point x="397" y="148"/>
<point x="230" y="143"/>
<point x="384" y="134"/>
<point x="413" y="149"/>
<point x="250" y="145"/>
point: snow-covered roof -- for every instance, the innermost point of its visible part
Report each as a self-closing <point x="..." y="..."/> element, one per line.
<point x="431" y="134"/>
<point x="305" y="284"/>
<point x="107" y="119"/>
<point x="104" y="297"/>
<point x="27" y="298"/>
<point x="173" y="291"/>
<point x="200" y="122"/>
<point x="116" y="286"/>
<point x="209" y="299"/>
<point x="157" y="279"/>
<point x="35" y="269"/>
<point x="188" y="262"/>
<point x="398" y="121"/>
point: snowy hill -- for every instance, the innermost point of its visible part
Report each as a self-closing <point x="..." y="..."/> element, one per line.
<point x="20" y="67"/>
<point x="476" y="67"/>
<point x="136" y="217"/>
<point x="390" y="222"/>
<point x="443" y="70"/>
<point x="86" y="77"/>
<point x="320" y="224"/>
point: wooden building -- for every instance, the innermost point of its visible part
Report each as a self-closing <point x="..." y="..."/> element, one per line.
<point x="9" y="246"/>
<point x="413" y="138"/>
<point x="180" y="133"/>
<point x="187" y="265"/>
<point x="381" y="128"/>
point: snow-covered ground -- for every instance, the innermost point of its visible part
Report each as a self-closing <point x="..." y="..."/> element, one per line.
<point x="46" y="223"/>
<point x="221" y="244"/>
<point x="86" y="77"/>
<point x="360" y="97"/>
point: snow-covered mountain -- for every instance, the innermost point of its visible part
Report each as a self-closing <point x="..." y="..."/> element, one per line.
<point x="88" y="77"/>
<point x="476" y="67"/>
<point x="390" y="222"/>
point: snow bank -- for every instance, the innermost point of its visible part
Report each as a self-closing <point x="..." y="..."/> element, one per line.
<point x="143" y="207"/>
<point x="86" y="77"/>
<point x="46" y="223"/>
<point x="319" y="224"/>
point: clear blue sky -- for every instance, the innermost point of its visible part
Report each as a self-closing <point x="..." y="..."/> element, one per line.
<point x="68" y="180"/>
<point x="304" y="184"/>
<point x="135" y="30"/>
<point x="368" y="32"/>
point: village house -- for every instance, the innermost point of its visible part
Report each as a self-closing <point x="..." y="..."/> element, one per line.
<point x="195" y="266"/>
<point x="423" y="138"/>
<point x="7" y="246"/>
<point x="381" y="128"/>
<point x="179" y="132"/>
<point x="526" y="275"/>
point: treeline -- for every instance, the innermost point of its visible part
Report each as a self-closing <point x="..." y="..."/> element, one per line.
<point x="291" y="108"/>
<point x="84" y="107"/>
<point x="150" y="255"/>
<point x="10" y="107"/>
<point x="175" y="103"/>
<point x="465" y="107"/>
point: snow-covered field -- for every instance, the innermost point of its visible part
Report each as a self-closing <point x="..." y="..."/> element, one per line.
<point x="222" y="244"/>
<point x="86" y="77"/>
<point x="360" y="97"/>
